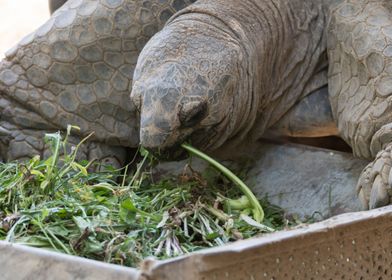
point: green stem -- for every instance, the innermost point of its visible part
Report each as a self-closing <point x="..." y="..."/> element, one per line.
<point x="258" y="212"/>
<point x="138" y="170"/>
<point x="217" y="213"/>
<point x="55" y="155"/>
<point x="156" y="218"/>
<point x="238" y="204"/>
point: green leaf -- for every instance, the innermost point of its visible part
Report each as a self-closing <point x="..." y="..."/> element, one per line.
<point x="212" y="236"/>
<point x="78" y="167"/>
<point x="81" y="223"/>
<point x="127" y="211"/>
<point x="44" y="184"/>
<point x="239" y="204"/>
<point x="44" y="214"/>
<point x="128" y="204"/>
<point x="59" y="230"/>
<point x="144" y="152"/>
<point x="62" y="213"/>
<point x="37" y="173"/>
<point x="92" y="246"/>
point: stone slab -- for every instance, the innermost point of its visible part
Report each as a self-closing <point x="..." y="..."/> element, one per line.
<point x="307" y="181"/>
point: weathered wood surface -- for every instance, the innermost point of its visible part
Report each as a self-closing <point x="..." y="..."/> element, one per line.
<point x="19" y="262"/>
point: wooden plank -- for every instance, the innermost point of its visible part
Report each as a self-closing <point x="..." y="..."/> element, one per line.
<point x="20" y="262"/>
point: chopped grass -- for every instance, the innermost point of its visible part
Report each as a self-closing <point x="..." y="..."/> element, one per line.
<point x="119" y="218"/>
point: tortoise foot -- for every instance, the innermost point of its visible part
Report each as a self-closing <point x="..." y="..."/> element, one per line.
<point x="375" y="183"/>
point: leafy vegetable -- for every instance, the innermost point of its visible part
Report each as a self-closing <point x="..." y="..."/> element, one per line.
<point x="121" y="218"/>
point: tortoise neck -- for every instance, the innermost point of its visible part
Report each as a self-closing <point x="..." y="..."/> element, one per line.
<point x="284" y="46"/>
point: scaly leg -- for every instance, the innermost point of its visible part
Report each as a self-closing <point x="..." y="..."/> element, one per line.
<point x="360" y="86"/>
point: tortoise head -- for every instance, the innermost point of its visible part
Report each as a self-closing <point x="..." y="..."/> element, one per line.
<point x="186" y="85"/>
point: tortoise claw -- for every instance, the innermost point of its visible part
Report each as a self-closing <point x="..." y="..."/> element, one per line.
<point x="374" y="185"/>
<point x="379" y="195"/>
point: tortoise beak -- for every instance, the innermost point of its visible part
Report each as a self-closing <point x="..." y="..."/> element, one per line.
<point x="163" y="145"/>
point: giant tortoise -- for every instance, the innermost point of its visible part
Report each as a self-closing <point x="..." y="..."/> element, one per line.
<point x="219" y="74"/>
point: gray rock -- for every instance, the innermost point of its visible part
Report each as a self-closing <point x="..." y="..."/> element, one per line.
<point x="305" y="181"/>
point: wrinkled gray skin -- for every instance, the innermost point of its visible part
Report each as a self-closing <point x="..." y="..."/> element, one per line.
<point x="220" y="74"/>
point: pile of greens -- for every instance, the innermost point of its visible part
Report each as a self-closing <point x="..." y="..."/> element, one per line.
<point x="112" y="216"/>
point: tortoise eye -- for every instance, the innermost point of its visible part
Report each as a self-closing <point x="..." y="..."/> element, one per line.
<point x="192" y="113"/>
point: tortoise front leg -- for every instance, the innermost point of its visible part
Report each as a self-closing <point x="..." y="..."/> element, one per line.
<point x="374" y="185"/>
<point x="360" y="87"/>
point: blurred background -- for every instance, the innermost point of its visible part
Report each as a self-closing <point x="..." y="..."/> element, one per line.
<point x="18" y="18"/>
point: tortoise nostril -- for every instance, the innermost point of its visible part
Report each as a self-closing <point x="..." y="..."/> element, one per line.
<point x="192" y="113"/>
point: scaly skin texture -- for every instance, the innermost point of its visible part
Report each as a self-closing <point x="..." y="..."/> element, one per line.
<point x="77" y="69"/>
<point x="360" y="86"/>
<point x="224" y="71"/>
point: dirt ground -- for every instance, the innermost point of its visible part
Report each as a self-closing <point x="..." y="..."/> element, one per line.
<point x="18" y="18"/>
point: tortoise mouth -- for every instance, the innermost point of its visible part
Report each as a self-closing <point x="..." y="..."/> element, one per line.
<point x="174" y="153"/>
<point x="201" y="138"/>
